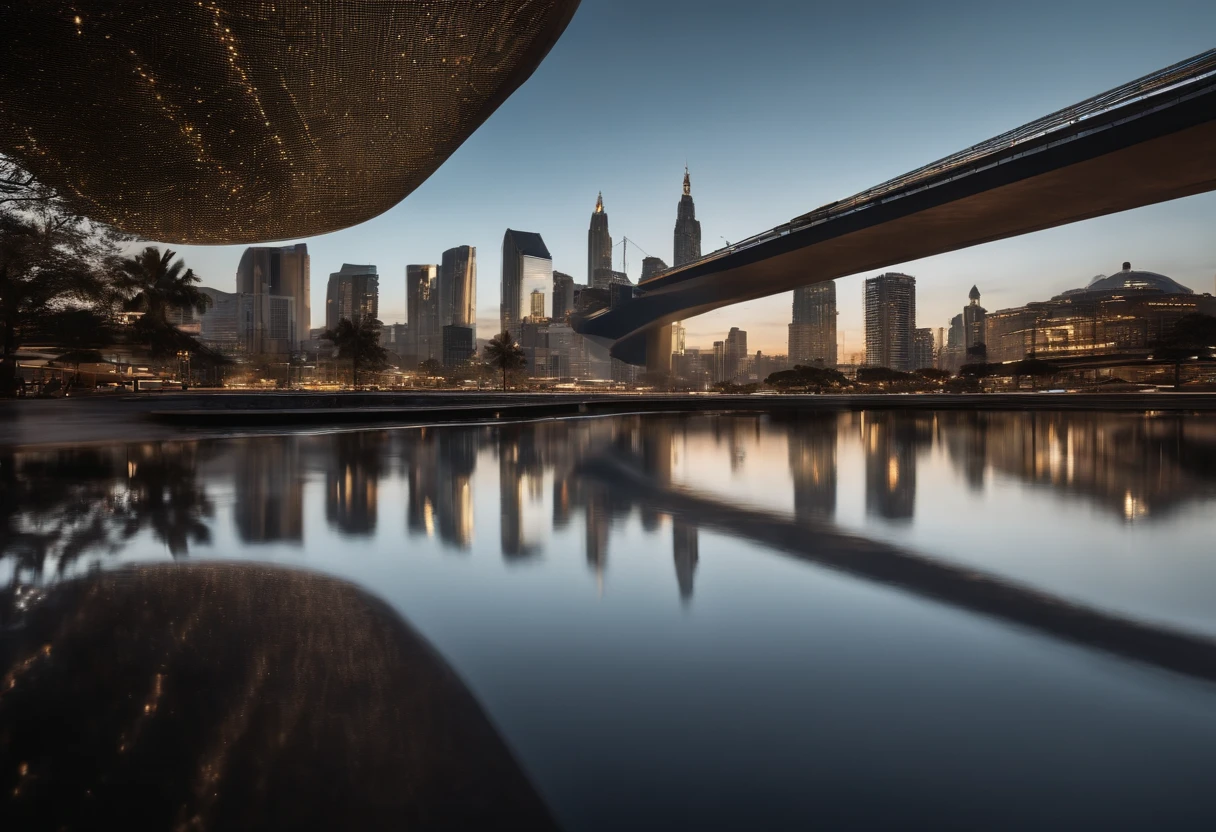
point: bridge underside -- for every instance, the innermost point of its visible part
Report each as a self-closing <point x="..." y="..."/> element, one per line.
<point x="1148" y="160"/>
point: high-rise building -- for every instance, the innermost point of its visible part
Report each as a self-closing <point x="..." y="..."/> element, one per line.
<point x="813" y="330"/>
<point x="718" y="367"/>
<point x="890" y="311"/>
<point x="922" y="348"/>
<point x="652" y="266"/>
<point x="563" y="296"/>
<point x="459" y="345"/>
<point x="687" y="242"/>
<point x="422" y="313"/>
<point x="227" y="324"/>
<point x="734" y="354"/>
<point x="599" y="241"/>
<point x="678" y="336"/>
<point x="527" y="267"/>
<point x="458" y="287"/>
<point x="975" y="320"/>
<point x="353" y="294"/>
<point x="276" y="272"/>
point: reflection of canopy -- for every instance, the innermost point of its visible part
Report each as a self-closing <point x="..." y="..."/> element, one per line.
<point x="237" y="121"/>
<point x="240" y="697"/>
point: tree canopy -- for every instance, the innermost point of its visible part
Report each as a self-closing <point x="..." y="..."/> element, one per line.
<point x="358" y="342"/>
<point x="802" y="377"/>
<point x="503" y="354"/>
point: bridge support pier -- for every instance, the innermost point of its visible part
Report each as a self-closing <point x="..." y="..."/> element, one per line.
<point x="658" y="350"/>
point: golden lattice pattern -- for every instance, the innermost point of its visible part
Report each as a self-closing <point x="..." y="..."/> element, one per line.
<point x="241" y="121"/>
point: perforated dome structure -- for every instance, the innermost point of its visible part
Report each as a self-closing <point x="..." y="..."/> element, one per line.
<point x="1129" y="279"/>
<point x="241" y="121"/>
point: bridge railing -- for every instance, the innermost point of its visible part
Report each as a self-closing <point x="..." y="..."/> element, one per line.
<point x="1168" y="80"/>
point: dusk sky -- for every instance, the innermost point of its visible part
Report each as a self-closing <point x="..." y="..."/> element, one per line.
<point x="777" y="108"/>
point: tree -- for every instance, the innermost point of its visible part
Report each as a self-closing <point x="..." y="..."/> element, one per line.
<point x="932" y="374"/>
<point x="53" y="262"/>
<point x="881" y="375"/>
<point x="1193" y="336"/>
<point x="153" y="283"/>
<point x="1036" y="368"/>
<point x="806" y="378"/>
<point x="505" y="355"/>
<point x="359" y="341"/>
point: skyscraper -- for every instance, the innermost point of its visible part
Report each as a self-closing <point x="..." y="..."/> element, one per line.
<point x="890" y="309"/>
<point x="527" y="267"/>
<point x="687" y="244"/>
<point x="458" y="287"/>
<point x="353" y="293"/>
<point x="269" y="275"/>
<point x="922" y="348"/>
<point x="734" y="354"/>
<point x="563" y="296"/>
<point x="599" y="242"/>
<point x="813" y="330"/>
<point x="422" y="300"/>
<point x="975" y="320"/>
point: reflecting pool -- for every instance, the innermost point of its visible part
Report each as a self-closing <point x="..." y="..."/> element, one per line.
<point x="982" y="620"/>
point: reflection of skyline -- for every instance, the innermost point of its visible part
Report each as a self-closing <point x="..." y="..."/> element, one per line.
<point x="889" y="443"/>
<point x="352" y="479"/>
<point x="269" y="488"/>
<point x="812" y="445"/>
<point x="521" y="479"/>
<point x="684" y="549"/>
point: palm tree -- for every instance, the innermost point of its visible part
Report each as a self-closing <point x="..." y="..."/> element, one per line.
<point x="157" y="284"/>
<point x="358" y="341"/>
<point x="504" y="354"/>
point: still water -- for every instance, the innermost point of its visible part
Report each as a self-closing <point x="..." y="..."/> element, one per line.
<point x="986" y="620"/>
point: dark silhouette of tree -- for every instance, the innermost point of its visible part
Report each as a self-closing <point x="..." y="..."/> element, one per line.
<point x="430" y="367"/>
<point x="1036" y="368"/>
<point x="359" y="343"/>
<point x="1193" y="337"/>
<point x="881" y="375"/>
<point x="505" y="355"/>
<point x="977" y="353"/>
<point x="807" y="378"/>
<point x="153" y="283"/>
<point x="52" y="262"/>
<point x="932" y="374"/>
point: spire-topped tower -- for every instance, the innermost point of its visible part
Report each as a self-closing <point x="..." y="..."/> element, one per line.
<point x="599" y="241"/>
<point x="974" y="296"/>
<point x="688" y="231"/>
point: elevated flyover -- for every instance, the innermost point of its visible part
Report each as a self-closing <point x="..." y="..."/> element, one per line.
<point x="1148" y="141"/>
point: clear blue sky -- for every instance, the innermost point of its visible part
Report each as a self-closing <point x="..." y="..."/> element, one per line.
<point x="779" y="107"/>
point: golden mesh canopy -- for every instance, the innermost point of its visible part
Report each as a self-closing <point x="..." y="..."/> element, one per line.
<point x="242" y="121"/>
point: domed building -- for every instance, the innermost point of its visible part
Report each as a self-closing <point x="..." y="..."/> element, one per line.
<point x="1126" y="312"/>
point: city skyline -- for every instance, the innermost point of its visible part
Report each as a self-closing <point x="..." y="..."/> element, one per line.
<point x="639" y="170"/>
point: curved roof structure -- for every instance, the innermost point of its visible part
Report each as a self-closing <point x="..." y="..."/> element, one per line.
<point x="242" y="121"/>
<point x="1136" y="280"/>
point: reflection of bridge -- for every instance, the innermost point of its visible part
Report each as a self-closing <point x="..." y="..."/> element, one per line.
<point x="957" y="586"/>
<point x="1149" y="141"/>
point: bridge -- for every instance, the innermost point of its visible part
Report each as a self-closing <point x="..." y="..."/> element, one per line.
<point x="1148" y="141"/>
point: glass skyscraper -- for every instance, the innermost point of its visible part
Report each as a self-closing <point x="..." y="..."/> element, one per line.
<point x="890" y="308"/>
<point x="527" y="267"/>
<point x="813" y="330"/>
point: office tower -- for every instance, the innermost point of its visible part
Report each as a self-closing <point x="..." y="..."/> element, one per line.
<point x="459" y="345"/>
<point x="652" y="266"/>
<point x="458" y="287"/>
<point x="527" y="267"/>
<point x="734" y="354"/>
<point x="975" y="318"/>
<point x="226" y="326"/>
<point x="678" y="336"/>
<point x="687" y="243"/>
<point x="567" y="353"/>
<point x="599" y="241"/>
<point x="353" y="293"/>
<point x="267" y="272"/>
<point x="717" y="369"/>
<point x="607" y="278"/>
<point x="813" y="330"/>
<point x="563" y="296"/>
<point x="890" y="310"/>
<point x="422" y="313"/>
<point x="922" y="348"/>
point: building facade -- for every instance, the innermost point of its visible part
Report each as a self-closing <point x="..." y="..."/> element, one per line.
<point x="599" y="241"/>
<point x="458" y="287"/>
<point x="459" y="345"/>
<point x="353" y="293"/>
<point x="422" y="312"/>
<point x="812" y="337"/>
<point x="563" y="296"/>
<point x="922" y="349"/>
<point x="974" y="321"/>
<point x="1127" y="312"/>
<point x="890" y="315"/>
<point x="266" y="272"/>
<point x="734" y="356"/>
<point x="527" y="269"/>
